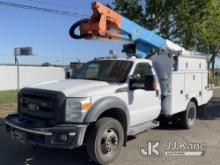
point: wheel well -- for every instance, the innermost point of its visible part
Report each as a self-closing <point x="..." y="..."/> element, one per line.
<point x="115" y="113"/>
<point x="195" y="101"/>
<point x="119" y="115"/>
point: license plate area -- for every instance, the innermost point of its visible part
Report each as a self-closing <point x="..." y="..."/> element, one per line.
<point x="18" y="136"/>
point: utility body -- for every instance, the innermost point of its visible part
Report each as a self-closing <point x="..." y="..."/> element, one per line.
<point x="107" y="100"/>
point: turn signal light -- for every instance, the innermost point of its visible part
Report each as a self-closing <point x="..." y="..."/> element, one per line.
<point x="86" y="105"/>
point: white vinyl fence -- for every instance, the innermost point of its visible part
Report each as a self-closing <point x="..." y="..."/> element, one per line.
<point x="28" y="75"/>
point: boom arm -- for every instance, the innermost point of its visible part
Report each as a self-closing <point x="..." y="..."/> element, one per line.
<point x="108" y="24"/>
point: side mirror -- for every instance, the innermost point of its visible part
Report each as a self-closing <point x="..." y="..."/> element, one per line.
<point x="135" y="77"/>
<point x="149" y="82"/>
<point x="135" y="82"/>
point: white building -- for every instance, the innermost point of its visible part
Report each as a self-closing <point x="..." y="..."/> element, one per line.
<point x="28" y="75"/>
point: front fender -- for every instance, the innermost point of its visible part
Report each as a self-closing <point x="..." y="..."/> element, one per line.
<point x="105" y="104"/>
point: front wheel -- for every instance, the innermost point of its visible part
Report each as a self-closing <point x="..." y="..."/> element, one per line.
<point x="188" y="117"/>
<point x="105" y="140"/>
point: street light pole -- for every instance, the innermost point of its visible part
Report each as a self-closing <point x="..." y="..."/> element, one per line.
<point x="18" y="72"/>
<point x="23" y="51"/>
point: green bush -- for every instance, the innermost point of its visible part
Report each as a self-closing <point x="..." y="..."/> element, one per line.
<point x="215" y="80"/>
<point x="7" y="97"/>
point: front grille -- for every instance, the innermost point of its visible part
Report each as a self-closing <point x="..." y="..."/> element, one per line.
<point x="42" y="105"/>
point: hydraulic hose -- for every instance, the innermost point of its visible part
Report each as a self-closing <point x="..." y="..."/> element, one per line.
<point x="76" y="25"/>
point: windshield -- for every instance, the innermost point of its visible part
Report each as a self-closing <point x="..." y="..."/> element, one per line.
<point x="104" y="70"/>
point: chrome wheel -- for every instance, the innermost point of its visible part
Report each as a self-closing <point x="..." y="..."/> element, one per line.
<point x="191" y="116"/>
<point x="109" y="141"/>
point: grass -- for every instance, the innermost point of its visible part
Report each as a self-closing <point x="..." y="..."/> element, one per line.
<point x="8" y="97"/>
<point x="215" y="80"/>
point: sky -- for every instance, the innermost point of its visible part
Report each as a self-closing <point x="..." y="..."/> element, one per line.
<point x="48" y="34"/>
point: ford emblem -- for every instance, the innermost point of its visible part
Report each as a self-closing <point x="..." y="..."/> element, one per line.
<point x="33" y="107"/>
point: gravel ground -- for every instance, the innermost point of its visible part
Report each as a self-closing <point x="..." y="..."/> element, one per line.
<point x="6" y="109"/>
<point x="207" y="131"/>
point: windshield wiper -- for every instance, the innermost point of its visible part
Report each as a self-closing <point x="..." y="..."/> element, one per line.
<point x="96" y="79"/>
<point x="93" y="79"/>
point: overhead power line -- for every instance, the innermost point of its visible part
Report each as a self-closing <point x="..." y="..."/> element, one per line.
<point x="35" y="8"/>
<point x="52" y="4"/>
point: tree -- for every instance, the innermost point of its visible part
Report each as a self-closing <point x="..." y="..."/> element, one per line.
<point x="194" y="24"/>
<point x="209" y="34"/>
<point x="131" y="9"/>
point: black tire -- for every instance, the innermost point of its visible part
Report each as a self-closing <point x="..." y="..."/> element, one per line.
<point x="188" y="117"/>
<point x="97" y="144"/>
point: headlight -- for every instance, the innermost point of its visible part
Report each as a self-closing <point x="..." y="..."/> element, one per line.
<point x="76" y="108"/>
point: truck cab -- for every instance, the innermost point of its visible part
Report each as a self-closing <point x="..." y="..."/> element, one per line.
<point x="62" y="113"/>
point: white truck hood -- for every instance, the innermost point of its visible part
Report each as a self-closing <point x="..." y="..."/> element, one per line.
<point x="77" y="88"/>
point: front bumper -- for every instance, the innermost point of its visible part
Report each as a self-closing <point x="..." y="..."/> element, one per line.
<point x="60" y="136"/>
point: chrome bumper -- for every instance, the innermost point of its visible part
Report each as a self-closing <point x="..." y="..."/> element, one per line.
<point x="60" y="136"/>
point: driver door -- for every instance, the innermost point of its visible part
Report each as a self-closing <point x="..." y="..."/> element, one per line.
<point x="144" y="104"/>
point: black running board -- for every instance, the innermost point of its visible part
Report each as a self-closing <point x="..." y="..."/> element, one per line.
<point x="134" y="130"/>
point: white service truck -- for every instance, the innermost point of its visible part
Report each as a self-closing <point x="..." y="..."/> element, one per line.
<point x="107" y="100"/>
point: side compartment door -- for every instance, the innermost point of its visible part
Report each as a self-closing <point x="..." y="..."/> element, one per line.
<point x="144" y="105"/>
<point x="179" y="100"/>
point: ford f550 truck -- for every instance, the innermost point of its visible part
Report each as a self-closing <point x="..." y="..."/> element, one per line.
<point x="107" y="100"/>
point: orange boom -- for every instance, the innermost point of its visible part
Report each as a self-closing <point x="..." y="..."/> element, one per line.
<point x="102" y="21"/>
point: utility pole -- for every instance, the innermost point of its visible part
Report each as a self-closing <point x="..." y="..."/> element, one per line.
<point x="63" y="58"/>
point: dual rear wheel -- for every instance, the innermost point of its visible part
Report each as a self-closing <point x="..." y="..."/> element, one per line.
<point x="185" y="119"/>
<point x="188" y="117"/>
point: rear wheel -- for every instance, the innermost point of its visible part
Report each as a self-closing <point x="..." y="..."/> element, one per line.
<point x="105" y="140"/>
<point x="188" y="117"/>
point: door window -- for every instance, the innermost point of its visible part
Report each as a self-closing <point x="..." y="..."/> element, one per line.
<point x="144" y="70"/>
